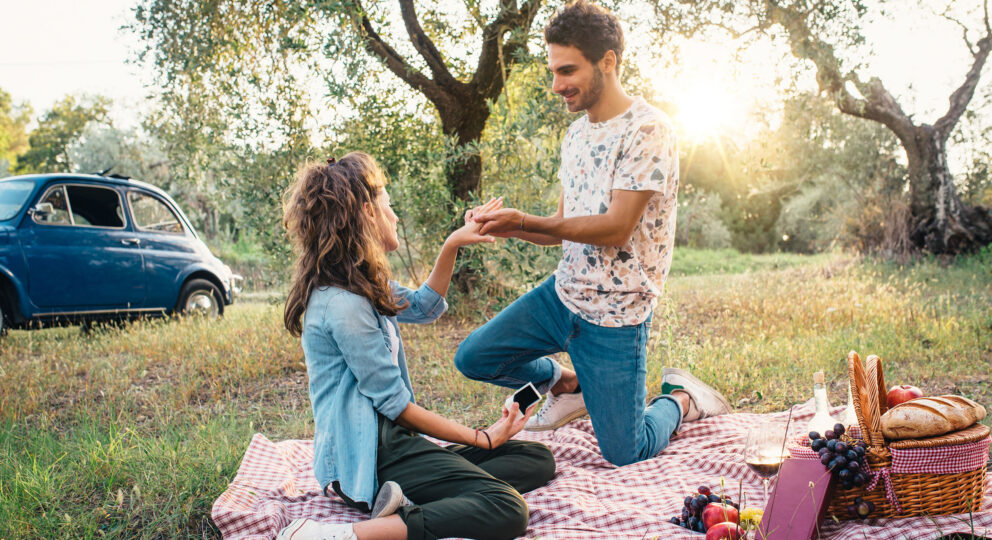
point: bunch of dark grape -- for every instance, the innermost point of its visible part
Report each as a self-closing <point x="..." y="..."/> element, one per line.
<point x="861" y="508"/>
<point x="692" y="509"/>
<point x="843" y="458"/>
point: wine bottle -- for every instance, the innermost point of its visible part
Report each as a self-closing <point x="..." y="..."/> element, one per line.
<point x="821" y="421"/>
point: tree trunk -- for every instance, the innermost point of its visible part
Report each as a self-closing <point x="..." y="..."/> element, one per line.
<point x="939" y="222"/>
<point x="464" y="121"/>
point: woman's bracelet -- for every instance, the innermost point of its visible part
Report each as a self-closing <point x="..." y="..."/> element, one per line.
<point x="522" y="221"/>
<point x="475" y="442"/>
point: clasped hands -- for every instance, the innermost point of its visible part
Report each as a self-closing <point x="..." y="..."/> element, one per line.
<point x="486" y="222"/>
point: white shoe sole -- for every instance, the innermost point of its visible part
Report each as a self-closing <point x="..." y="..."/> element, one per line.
<point x="389" y="500"/>
<point x="574" y="415"/>
<point x="691" y="377"/>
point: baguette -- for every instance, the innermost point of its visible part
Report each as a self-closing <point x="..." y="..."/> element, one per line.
<point x="930" y="416"/>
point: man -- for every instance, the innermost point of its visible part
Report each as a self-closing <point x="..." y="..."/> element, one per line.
<point x="616" y="223"/>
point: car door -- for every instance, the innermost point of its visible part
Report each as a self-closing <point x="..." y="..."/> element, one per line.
<point x="167" y="246"/>
<point x="82" y="256"/>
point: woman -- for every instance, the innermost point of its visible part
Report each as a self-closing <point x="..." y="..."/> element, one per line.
<point x="366" y="443"/>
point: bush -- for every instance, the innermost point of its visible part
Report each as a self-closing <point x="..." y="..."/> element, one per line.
<point x="698" y="223"/>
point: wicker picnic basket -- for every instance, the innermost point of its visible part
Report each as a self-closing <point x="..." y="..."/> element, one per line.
<point x="914" y="477"/>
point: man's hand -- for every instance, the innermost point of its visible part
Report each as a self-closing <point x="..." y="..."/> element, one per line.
<point x="501" y="221"/>
<point x="492" y="204"/>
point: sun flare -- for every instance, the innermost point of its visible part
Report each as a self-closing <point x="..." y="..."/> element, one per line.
<point x="704" y="111"/>
<point x="706" y="91"/>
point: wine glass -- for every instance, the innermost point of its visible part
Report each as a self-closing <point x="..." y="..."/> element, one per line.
<point x="764" y="450"/>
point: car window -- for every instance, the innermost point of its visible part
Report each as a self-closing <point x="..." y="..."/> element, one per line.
<point x="151" y="214"/>
<point x="93" y="206"/>
<point x="59" y="208"/>
<point x="13" y="195"/>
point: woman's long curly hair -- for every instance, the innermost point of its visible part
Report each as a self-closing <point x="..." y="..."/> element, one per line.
<point x="336" y="240"/>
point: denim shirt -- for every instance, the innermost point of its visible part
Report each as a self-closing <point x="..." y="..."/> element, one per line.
<point x="352" y="377"/>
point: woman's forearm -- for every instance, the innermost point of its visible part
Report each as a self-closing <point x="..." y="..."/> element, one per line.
<point x="440" y="277"/>
<point x="419" y="419"/>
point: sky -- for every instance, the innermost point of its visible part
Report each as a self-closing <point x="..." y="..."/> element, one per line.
<point x="59" y="47"/>
<point x="50" y="48"/>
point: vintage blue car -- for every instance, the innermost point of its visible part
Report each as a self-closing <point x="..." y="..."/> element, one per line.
<point x="82" y="248"/>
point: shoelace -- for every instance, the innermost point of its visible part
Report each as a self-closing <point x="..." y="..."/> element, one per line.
<point x="548" y="405"/>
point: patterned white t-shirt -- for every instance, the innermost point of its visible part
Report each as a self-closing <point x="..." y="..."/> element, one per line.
<point x="634" y="151"/>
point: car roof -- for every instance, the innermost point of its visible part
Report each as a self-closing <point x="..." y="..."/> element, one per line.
<point x="119" y="181"/>
<point x="40" y="179"/>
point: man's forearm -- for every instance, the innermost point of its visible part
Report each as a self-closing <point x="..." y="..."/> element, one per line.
<point x="598" y="230"/>
<point x="535" y="238"/>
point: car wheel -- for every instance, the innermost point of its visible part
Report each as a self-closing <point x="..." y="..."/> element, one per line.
<point x="200" y="297"/>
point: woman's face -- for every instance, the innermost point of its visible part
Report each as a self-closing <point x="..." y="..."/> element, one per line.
<point x="387" y="222"/>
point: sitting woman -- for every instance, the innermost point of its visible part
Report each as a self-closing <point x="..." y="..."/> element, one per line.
<point x="367" y="446"/>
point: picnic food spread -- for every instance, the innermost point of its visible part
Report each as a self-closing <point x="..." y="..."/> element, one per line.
<point x="930" y="416"/>
<point x="926" y="456"/>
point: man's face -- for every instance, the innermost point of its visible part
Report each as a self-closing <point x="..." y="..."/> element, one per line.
<point x="576" y="79"/>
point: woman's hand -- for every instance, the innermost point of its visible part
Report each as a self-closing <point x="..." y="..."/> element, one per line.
<point x="467" y="235"/>
<point x="506" y="427"/>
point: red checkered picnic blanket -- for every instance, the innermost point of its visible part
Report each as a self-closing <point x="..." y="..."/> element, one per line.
<point x="588" y="498"/>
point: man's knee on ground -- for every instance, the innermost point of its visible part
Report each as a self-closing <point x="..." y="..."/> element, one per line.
<point x="619" y="456"/>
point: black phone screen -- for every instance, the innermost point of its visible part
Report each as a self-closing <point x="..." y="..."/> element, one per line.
<point x="526" y="397"/>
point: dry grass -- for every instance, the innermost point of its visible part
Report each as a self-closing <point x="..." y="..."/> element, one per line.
<point x="133" y="432"/>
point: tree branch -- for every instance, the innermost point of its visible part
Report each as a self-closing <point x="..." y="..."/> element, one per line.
<point x="423" y="44"/>
<point x="393" y="60"/>
<point x="964" y="28"/>
<point x="878" y="104"/>
<point x="489" y="72"/>
<point x="962" y="96"/>
<point x="988" y="27"/>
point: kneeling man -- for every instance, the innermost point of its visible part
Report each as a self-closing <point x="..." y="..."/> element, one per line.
<point x="616" y="225"/>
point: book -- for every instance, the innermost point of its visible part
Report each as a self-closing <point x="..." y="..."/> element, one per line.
<point x="798" y="503"/>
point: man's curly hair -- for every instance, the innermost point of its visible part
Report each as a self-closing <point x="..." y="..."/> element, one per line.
<point x="587" y="27"/>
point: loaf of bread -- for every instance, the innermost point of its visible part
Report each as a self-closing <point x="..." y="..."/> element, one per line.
<point x="930" y="416"/>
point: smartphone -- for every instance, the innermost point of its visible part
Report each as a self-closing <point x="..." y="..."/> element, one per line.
<point x="526" y="396"/>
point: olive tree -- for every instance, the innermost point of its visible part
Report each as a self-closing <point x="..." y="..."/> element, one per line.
<point x="819" y="32"/>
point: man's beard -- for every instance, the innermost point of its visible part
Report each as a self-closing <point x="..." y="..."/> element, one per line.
<point x="594" y="93"/>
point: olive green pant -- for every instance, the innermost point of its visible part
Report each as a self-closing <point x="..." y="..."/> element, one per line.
<point x="461" y="491"/>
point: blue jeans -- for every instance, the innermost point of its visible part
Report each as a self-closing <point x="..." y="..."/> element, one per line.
<point x="610" y="363"/>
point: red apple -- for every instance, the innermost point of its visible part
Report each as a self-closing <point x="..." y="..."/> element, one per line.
<point x="901" y="393"/>
<point x="725" y="531"/>
<point x="718" y="512"/>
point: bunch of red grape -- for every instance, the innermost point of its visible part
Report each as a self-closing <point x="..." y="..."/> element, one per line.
<point x="844" y="459"/>
<point x="692" y="509"/>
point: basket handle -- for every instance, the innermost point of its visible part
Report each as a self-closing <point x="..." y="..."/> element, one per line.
<point x="876" y="394"/>
<point x="865" y="394"/>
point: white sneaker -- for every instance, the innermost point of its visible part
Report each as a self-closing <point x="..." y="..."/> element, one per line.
<point x="704" y="401"/>
<point x="389" y="499"/>
<point x="308" y="529"/>
<point x="558" y="410"/>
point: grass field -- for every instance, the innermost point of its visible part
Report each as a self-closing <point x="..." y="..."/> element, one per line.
<point x="133" y="432"/>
